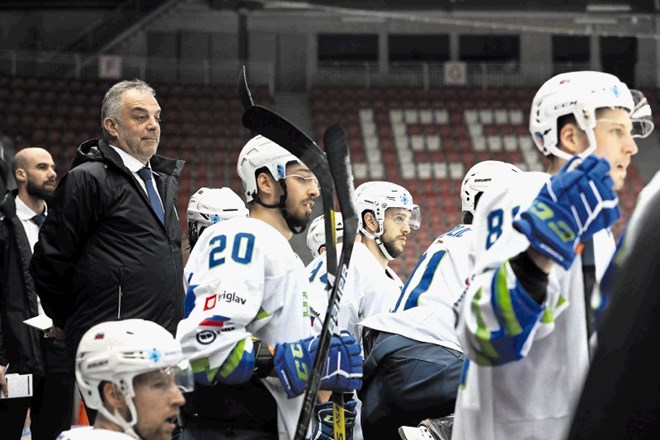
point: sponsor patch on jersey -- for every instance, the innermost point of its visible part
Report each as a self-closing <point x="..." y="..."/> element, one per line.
<point x="210" y="302"/>
<point x="214" y="321"/>
<point x="230" y="297"/>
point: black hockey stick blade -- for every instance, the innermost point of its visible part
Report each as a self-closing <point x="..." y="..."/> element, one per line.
<point x="269" y="124"/>
<point x="243" y="90"/>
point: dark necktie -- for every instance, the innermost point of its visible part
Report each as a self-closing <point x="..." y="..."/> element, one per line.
<point x="39" y="219"/>
<point x="145" y="174"/>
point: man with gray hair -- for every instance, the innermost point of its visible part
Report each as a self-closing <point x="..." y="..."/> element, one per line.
<point x="111" y="248"/>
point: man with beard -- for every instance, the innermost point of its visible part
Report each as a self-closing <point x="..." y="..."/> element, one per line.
<point x="247" y="326"/>
<point x="386" y="215"/>
<point x="24" y="349"/>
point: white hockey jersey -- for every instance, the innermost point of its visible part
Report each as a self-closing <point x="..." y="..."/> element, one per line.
<point x="369" y="289"/>
<point x="424" y="311"/>
<point x="527" y="362"/>
<point x="242" y="279"/>
<point x="89" y="433"/>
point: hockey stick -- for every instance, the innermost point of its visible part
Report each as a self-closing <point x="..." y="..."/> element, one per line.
<point x="277" y="129"/>
<point x="243" y="90"/>
<point x="327" y="194"/>
<point x="273" y="126"/>
<point x="336" y="149"/>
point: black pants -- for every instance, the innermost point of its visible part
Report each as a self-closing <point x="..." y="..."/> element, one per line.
<point x="51" y="404"/>
<point x="406" y="381"/>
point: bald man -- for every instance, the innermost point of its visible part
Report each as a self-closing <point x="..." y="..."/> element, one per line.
<point x="23" y="349"/>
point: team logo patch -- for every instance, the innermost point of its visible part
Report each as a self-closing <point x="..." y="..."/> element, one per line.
<point x="281" y="172"/>
<point x="539" y="137"/>
<point x="406" y="199"/>
<point x="210" y="302"/>
<point x="155" y="355"/>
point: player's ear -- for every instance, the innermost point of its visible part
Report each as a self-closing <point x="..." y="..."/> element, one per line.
<point x="571" y="138"/>
<point x="370" y="222"/>
<point x="266" y="186"/>
<point x="112" y="397"/>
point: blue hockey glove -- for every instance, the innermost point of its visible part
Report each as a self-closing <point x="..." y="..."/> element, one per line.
<point x="573" y="205"/>
<point x="293" y="365"/>
<point x="343" y="370"/>
<point x="323" y="422"/>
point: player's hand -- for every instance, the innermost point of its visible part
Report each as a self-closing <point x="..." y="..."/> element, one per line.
<point x="3" y="380"/>
<point x="573" y="205"/>
<point x="323" y="421"/>
<point x="342" y="372"/>
<point x="293" y="365"/>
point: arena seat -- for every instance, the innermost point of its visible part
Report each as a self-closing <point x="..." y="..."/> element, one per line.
<point x="435" y="136"/>
<point x="426" y="139"/>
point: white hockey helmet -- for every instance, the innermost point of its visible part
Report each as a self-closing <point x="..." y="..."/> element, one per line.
<point x="117" y="352"/>
<point x="377" y="197"/>
<point x="260" y="152"/>
<point x="316" y="233"/>
<point x="479" y="178"/>
<point x="212" y="205"/>
<point x="577" y="93"/>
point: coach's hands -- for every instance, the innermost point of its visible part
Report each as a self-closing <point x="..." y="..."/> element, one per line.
<point x="572" y="206"/>
<point x="342" y="371"/>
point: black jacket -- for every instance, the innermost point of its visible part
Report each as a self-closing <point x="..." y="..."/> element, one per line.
<point x="102" y="253"/>
<point x="19" y="343"/>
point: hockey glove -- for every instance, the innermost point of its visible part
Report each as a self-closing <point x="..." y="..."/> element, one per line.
<point x="343" y="370"/>
<point x="573" y="205"/>
<point x="293" y="365"/>
<point x="323" y="423"/>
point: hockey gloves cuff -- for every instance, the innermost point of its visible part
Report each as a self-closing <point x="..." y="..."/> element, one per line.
<point x="573" y="205"/>
<point x="323" y="422"/>
<point x="343" y="370"/>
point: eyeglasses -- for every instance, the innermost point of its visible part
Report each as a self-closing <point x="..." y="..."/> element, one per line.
<point x="399" y="219"/>
<point x="304" y="180"/>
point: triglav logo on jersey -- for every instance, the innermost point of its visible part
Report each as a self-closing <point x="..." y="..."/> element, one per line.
<point x="212" y="300"/>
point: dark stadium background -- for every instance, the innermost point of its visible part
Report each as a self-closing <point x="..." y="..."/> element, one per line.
<point x="423" y="88"/>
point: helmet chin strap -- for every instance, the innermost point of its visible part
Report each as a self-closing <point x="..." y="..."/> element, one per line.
<point x="119" y="420"/>
<point x="281" y="205"/>
<point x="379" y="242"/>
<point x="382" y="248"/>
<point x="591" y="137"/>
